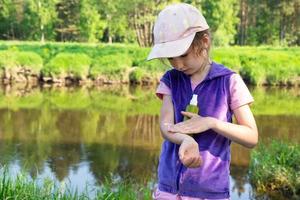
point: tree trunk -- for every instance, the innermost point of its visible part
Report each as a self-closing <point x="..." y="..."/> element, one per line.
<point x="142" y="26"/>
<point x="243" y="22"/>
<point x="43" y="35"/>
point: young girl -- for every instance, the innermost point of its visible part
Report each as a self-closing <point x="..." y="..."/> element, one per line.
<point x="195" y="157"/>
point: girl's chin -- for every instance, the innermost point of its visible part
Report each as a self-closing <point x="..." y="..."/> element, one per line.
<point x="188" y="72"/>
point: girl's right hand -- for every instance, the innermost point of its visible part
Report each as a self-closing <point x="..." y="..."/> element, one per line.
<point x="189" y="153"/>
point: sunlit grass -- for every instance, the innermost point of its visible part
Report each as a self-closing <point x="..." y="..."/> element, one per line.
<point x="275" y="168"/>
<point x="23" y="187"/>
<point x="257" y="65"/>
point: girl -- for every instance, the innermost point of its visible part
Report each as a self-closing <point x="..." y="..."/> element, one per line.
<point x="195" y="157"/>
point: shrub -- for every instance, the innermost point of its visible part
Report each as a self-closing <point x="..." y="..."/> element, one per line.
<point x="110" y="65"/>
<point x="68" y="64"/>
<point x="29" y="60"/>
<point x="275" y="168"/>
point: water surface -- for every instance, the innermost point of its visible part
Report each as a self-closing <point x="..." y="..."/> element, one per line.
<point x="82" y="135"/>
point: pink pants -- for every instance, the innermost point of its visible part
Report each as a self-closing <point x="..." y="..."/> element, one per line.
<point x="160" y="195"/>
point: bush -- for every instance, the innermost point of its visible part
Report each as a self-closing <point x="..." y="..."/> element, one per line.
<point x="275" y="168"/>
<point x="68" y="64"/>
<point x="110" y="65"/>
<point x="137" y="75"/>
<point x="29" y="60"/>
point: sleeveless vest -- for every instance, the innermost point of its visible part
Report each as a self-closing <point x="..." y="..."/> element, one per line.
<point x="211" y="180"/>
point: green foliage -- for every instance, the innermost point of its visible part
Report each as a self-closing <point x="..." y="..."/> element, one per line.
<point x="138" y="55"/>
<point x="261" y="65"/>
<point x="26" y="188"/>
<point x="30" y="60"/>
<point x="275" y="168"/>
<point x="68" y="64"/>
<point x="231" y="21"/>
<point x="91" y="26"/>
<point x="257" y="65"/>
<point x="125" y="190"/>
<point x="137" y="75"/>
<point x="228" y="57"/>
<point x="222" y="18"/>
<point x="114" y="65"/>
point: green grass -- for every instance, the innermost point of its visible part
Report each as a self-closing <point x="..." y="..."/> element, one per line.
<point x="257" y="65"/>
<point x="114" y="65"/>
<point x="262" y="65"/>
<point x="275" y="168"/>
<point x="13" y="59"/>
<point x="74" y="65"/>
<point x="24" y="187"/>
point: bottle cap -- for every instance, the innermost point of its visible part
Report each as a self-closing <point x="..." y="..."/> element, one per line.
<point x="194" y="100"/>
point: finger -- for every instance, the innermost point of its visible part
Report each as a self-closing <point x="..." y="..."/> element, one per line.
<point x="188" y="161"/>
<point x="181" y="153"/>
<point x="196" y="162"/>
<point x="188" y="114"/>
<point x="192" y="164"/>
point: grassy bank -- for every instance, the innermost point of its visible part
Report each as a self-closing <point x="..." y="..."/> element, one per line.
<point x="103" y="63"/>
<point x="23" y="187"/>
<point x="275" y="169"/>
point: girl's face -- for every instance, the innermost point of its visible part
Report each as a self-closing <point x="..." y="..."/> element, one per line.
<point x="189" y="63"/>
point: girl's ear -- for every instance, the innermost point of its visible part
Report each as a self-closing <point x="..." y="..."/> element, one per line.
<point x="206" y="41"/>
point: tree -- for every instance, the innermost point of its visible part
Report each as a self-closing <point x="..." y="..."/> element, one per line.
<point x="11" y="14"/>
<point x="68" y="20"/>
<point x="221" y="16"/>
<point x="141" y="16"/>
<point x="40" y="16"/>
<point x="91" y="26"/>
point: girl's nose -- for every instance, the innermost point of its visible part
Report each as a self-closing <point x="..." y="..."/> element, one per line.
<point x="177" y="63"/>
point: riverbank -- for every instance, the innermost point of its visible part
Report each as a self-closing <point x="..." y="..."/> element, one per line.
<point x="24" y="187"/>
<point x="98" y="64"/>
<point x="274" y="169"/>
<point x="274" y="173"/>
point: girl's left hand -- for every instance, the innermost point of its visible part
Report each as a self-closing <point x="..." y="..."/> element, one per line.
<point x="196" y="124"/>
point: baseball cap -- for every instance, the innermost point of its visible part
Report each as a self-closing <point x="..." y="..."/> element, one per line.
<point x="175" y="29"/>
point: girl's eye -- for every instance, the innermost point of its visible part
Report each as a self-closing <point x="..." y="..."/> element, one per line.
<point x="184" y="55"/>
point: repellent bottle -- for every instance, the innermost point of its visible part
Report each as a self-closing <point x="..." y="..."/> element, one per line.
<point x="192" y="107"/>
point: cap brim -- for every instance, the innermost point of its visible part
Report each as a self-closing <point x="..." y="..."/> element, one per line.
<point x="171" y="49"/>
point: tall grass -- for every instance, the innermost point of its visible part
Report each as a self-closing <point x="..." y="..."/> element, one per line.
<point x="24" y="187"/>
<point x="68" y="64"/>
<point x="13" y="59"/>
<point x="275" y="169"/>
<point x="262" y="65"/>
<point x="110" y="65"/>
<point x="257" y="65"/>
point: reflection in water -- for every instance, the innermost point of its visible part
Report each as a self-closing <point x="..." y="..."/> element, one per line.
<point x="98" y="132"/>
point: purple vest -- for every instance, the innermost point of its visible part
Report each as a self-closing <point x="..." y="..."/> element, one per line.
<point x="211" y="180"/>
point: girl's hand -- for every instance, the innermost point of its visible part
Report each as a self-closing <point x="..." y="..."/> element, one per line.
<point x="189" y="153"/>
<point x="196" y="124"/>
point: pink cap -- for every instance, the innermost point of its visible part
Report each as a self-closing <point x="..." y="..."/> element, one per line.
<point x="175" y="29"/>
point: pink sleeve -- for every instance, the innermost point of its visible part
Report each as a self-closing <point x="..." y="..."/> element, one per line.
<point x="162" y="89"/>
<point x="239" y="93"/>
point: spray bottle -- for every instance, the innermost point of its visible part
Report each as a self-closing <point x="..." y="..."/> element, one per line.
<point x="192" y="107"/>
